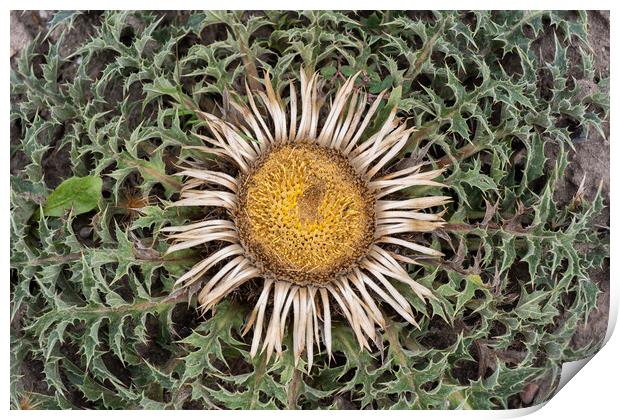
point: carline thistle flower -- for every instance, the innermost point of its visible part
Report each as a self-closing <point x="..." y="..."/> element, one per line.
<point x="308" y="215"/>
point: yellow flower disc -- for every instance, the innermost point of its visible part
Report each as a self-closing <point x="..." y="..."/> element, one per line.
<point x="304" y="215"/>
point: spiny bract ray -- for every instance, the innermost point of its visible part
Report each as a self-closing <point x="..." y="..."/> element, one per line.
<point x="307" y="214"/>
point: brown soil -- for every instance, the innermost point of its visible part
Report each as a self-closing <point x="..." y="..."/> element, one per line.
<point x="590" y="159"/>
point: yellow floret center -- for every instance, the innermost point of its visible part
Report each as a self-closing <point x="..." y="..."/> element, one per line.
<point x="304" y="214"/>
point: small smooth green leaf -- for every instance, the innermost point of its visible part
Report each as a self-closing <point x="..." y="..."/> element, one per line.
<point x="78" y="194"/>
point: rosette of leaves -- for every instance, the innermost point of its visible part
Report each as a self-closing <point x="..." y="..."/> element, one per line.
<point x="94" y="323"/>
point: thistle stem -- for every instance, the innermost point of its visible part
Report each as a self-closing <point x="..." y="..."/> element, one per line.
<point x="293" y="389"/>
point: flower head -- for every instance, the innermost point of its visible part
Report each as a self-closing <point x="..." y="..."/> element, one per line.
<point x="308" y="215"/>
